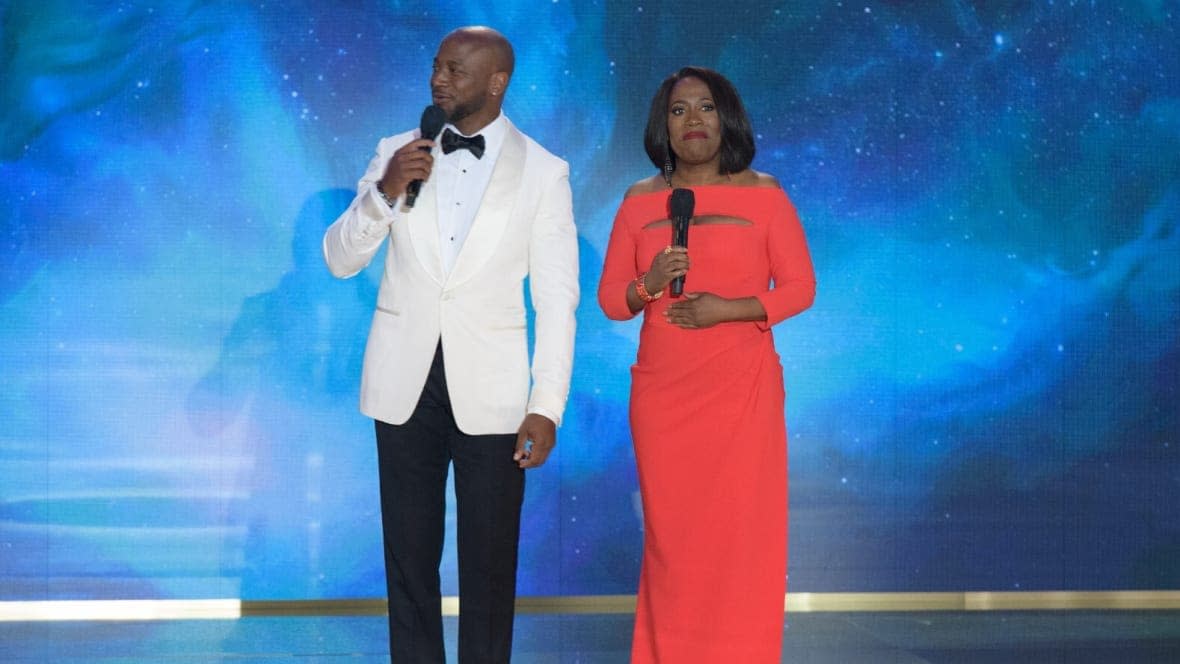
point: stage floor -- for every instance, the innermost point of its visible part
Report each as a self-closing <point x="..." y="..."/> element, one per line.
<point x="1033" y="637"/>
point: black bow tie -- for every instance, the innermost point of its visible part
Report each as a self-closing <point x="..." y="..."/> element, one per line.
<point x="452" y="141"/>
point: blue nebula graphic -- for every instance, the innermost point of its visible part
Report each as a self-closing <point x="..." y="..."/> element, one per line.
<point x="982" y="398"/>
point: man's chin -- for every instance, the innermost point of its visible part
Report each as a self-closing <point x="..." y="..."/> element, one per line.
<point x="456" y="115"/>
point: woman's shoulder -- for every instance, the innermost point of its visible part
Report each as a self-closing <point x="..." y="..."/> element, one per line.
<point x="647" y="185"/>
<point x="753" y="178"/>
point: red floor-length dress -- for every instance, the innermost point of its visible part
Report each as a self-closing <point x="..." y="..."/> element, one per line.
<point x="708" y="426"/>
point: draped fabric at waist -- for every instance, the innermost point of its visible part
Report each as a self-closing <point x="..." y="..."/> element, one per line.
<point x="666" y="348"/>
<point x="707" y="369"/>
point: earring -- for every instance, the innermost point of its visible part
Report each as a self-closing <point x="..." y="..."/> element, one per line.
<point x="668" y="169"/>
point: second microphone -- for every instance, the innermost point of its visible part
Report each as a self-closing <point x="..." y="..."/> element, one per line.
<point x="680" y="209"/>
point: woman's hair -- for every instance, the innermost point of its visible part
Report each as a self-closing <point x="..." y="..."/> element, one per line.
<point x="737" y="137"/>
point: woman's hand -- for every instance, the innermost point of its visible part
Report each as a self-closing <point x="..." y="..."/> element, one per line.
<point x="669" y="263"/>
<point x="697" y="310"/>
<point x="700" y="310"/>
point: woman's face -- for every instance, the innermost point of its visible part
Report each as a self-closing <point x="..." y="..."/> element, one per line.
<point x="694" y="127"/>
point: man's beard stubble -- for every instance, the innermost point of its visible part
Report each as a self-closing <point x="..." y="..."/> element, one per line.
<point x="462" y="111"/>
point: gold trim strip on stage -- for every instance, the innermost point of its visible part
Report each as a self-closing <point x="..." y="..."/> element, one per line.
<point x="224" y="609"/>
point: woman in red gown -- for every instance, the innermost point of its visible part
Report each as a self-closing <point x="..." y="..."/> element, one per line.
<point x="707" y="396"/>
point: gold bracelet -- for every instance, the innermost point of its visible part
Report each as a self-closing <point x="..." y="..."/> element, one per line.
<point x="641" y="290"/>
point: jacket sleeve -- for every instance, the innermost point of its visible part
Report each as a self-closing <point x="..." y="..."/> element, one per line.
<point x="354" y="238"/>
<point x="553" y="284"/>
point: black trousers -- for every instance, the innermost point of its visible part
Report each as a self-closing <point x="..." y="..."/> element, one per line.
<point x="413" y="460"/>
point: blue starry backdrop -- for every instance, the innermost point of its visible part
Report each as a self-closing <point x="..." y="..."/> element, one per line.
<point x="982" y="398"/>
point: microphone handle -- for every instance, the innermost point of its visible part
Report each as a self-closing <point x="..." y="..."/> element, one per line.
<point x="680" y="239"/>
<point x="412" y="192"/>
<point x="413" y="188"/>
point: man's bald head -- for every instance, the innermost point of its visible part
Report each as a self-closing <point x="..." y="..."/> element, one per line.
<point x="496" y="44"/>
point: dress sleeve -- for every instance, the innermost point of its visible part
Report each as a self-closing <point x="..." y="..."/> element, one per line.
<point x="790" y="266"/>
<point x="618" y="270"/>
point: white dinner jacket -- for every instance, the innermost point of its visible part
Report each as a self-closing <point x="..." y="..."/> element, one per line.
<point x="524" y="227"/>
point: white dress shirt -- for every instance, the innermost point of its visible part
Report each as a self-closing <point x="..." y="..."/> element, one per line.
<point x="460" y="182"/>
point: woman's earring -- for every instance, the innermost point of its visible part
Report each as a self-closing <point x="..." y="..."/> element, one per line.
<point x="668" y="169"/>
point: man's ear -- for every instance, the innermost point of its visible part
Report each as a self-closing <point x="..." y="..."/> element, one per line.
<point x="499" y="83"/>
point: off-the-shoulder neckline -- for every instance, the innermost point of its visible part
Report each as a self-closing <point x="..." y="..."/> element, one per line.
<point x="753" y="187"/>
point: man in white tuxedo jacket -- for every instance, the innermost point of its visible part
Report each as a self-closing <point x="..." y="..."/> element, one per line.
<point x="446" y="373"/>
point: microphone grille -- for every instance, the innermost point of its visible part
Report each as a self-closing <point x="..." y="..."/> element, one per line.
<point x="433" y="119"/>
<point x="681" y="203"/>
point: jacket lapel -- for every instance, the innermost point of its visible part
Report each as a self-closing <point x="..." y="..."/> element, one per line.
<point x="423" y="228"/>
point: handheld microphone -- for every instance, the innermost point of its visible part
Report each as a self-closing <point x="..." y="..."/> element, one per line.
<point x="433" y="119"/>
<point x="680" y="204"/>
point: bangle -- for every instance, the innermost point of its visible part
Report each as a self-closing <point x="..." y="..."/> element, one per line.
<point x="385" y="197"/>
<point x="641" y="290"/>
